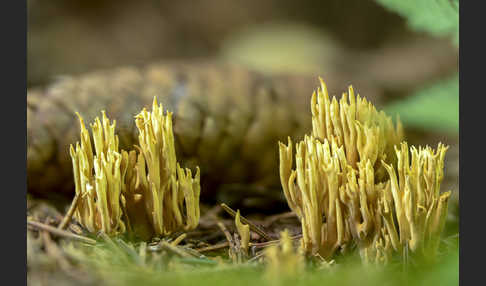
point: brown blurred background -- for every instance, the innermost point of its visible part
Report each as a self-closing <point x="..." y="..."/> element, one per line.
<point x="70" y="37"/>
<point x="355" y="39"/>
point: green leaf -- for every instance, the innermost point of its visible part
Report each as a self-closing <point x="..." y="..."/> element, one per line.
<point x="435" y="107"/>
<point x="437" y="17"/>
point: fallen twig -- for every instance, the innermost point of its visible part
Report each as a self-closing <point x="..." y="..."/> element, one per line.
<point x="59" y="232"/>
<point x="174" y="249"/>
<point x="67" y="218"/>
<point x="232" y="246"/>
<point x="267" y="243"/>
<point x="253" y="226"/>
<point x="178" y="239"/>
<point x="193" y="252"/>
<point x="226" y="233"/>
<point x="256" y="257"/>
<point x="213" y="247"/>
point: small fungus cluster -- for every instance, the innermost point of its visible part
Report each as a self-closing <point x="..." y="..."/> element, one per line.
<point x="283" y="260"/>
<point x="353" y="183"/>
<point x="148" y="193"/>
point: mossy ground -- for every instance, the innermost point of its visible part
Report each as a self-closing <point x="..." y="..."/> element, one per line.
<point x="124" y="261"/>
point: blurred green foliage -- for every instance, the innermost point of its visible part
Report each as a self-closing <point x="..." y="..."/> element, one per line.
<point x="115" y="268"/>
<point x="116" y="262"/>
<point x="437" y="106"/>
<point x="437" y="17"/>
<point x="444" y="274"/>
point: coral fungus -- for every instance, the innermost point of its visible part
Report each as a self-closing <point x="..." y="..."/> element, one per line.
<point x="344" y="187"/>
<point x="148" y="194"/>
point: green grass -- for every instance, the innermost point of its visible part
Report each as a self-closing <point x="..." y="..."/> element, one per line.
<point x="117" y="267"/>
<point x="445" y="273"/>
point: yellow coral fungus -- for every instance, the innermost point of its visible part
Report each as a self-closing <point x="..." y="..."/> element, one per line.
<point x="346" y="192"/>
<point x="170" y="193"/>
<point x="148" y="194"/>
<point x="420" y="208"/>
<point x="380" y="251"/>
<point x="283" y="260"/>
<point x="97" y="178"/>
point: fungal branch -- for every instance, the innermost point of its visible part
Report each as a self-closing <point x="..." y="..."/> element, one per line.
<point x="345" y="189"/>
<point x="355" y="124"/>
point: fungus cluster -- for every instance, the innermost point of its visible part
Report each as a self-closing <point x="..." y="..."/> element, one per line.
<point x="146" y="192"/>
<point x="354" y="185"/>
<point x="283" y="260"/>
